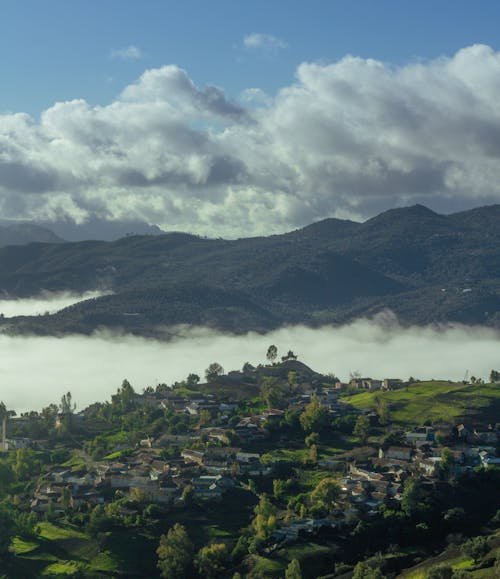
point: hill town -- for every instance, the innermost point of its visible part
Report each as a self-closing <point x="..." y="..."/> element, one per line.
<point x="260" y="472"/>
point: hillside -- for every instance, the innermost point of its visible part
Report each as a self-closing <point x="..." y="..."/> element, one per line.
<point x="428" y="268"/>
<point x="437" y="401"/>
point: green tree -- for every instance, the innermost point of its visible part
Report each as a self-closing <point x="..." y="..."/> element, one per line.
<point x="26" y="464"/>
<point x="192" y="380"/>
<point x="365" y="571"/>
<point x="7" y="528"/>
<point x="362" y="428"/>
<point x="382" y="410"/>
<point x="6" y="478"/>
<point x="315" y="416"/>
<point x="274" y="392"/>
<point x="327" y="491"/>
<point x="293" y="571"/>
<point x="213" y="372"/>
<point x="411" y="499"/>
<point x="212" y="559"/>
<point x="272" y="353"/>
<point x="311" y="439"/>
<point x="476" y="547"/>
<point x="175" y="553"/>
<point x="125" y="398"/>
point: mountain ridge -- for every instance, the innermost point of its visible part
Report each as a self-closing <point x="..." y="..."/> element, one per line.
<point x="413" y="261"/>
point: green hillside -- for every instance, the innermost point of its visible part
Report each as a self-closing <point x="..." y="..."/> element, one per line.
<point x="436" y="401"/>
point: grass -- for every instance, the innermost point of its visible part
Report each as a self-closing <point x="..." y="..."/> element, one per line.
<point x="55" y="533"/>
<point x="75" y="463"/>
<point x="61" y="568"/>
<point x="436" y="401"/>
<point x="21" y="547"/>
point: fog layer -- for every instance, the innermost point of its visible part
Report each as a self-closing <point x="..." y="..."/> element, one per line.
<point x="46" y="302"/>
<point x="36" y="371"/>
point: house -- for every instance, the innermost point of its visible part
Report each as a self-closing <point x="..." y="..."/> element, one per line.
<point x="397" y="452"/>
<point x="392" y="384"/>
<point x="420" y="436"/>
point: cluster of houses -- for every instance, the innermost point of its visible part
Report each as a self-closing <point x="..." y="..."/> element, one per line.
<point x="211" y="459"/>
<point x="381" y="476"/>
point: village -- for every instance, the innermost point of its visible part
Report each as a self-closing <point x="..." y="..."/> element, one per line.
<point x="267" y="431"/>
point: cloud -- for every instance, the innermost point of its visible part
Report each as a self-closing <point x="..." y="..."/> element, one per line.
<point x="127" y="53"/>
<point x="345" y="139"/>
<point x="375" y="348"/>
<point x="263" y="42"/>
<point x="46" y="302"/>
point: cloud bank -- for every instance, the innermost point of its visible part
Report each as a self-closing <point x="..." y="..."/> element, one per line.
<point x="345" y="139"/>
<point x="37" y="371"/>
<point x="46" y="302"/>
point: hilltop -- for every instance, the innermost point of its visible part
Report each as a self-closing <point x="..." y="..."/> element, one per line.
<point x="426" y="267"/>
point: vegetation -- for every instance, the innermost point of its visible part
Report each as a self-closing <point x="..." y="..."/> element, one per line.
<point x="301" y="494"/>
<point x="329" y="272"/>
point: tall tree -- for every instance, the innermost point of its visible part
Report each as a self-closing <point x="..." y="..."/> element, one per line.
<point x="362" y="428"/>
<point x="212" y="560"/>
<point x="272" y="353"/>
<point x="213" y="372"/>
<point x="315" y="416"/>
<point x="175" y="553"/>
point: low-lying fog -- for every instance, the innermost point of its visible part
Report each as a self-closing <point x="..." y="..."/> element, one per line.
<point x="36" y="371"/>
<point x="46" y="302"/>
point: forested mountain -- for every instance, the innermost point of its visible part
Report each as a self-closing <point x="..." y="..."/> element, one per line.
<point x="424" y="266"/>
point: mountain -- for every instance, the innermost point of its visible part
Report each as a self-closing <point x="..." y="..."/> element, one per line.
<point x="24" y="233"/>
<point x="426" y="267"/>
<point x="95" y="228"/>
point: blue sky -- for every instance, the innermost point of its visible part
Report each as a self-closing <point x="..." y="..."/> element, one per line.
<point x="232" y="118"/>
<point x="56" y="50"/>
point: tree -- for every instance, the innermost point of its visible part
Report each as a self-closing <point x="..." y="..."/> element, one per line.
<point x="212" y="560"/>
<point x="447" y="461"/>
<point x="175" y="553"/>
<point x="327" y="491"/>
<point x="124" y="399"/>
<point x="274" y="392"/>
<point x="440" y="572"/>
<point x="213" y="372"/>
<point x="382" y="410"/>
<point x="7" y="529"/>
<point x="293" y="571"/>
<point x="272" y="353"/>
<point x="365" y="571"/>
<point x="289" y="356"/>
<point x="476" y="547"/>
<point x="192" y="380"/>
<point x="362" y="428"/>
<point x="26" y="465"/>
<point x="315" y="415"/>
<point x="494" y="376"/>
<point x="411" y="499"/>
<point x="67" y="408"/>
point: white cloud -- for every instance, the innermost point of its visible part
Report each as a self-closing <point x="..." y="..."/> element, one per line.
<point x="127" y="53"/>
<point x="345" y="139"/>
<point x="263" y="41"/>
<point x="373" y="348"/>
<point x="46" y="302"/>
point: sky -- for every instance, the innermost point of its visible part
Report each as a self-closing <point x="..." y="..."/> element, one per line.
<point x="234" y="118"/>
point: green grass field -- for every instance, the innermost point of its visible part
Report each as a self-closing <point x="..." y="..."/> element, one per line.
<point x="436" y="401"/>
